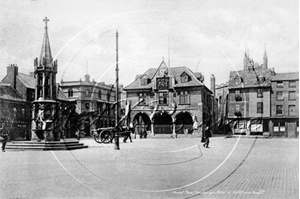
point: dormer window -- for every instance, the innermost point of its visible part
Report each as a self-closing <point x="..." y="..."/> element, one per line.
<point x="238" y="80"/>
<point x="184" y="77"/>
<point x="261" y="79"/>
<point x="144" y="81"/>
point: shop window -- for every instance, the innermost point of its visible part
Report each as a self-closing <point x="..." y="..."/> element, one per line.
<point x="257" y="126"/>
<point x="279" y="95"/>
<point x="260" y="107"/>
<point x="279" y="126"/>
<point x="87" y="106"/>
<point x="184" y="97"/>
<point x="292" y="95"/>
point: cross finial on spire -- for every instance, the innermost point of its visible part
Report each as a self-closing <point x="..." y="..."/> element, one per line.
<point x="46" y="20"/>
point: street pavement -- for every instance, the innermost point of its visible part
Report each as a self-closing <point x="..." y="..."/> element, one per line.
<point x="156" y="168"/>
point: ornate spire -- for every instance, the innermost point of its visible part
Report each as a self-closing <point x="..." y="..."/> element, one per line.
<point x="265" y="54"/>
<point x="265" y="58"/>
<point x="46" y="57"/>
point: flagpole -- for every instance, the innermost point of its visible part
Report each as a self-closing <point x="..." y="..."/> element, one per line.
<point x="117" y="147"/>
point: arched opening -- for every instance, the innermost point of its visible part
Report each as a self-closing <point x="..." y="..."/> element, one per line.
<point x="183" y="122"/>
<point x="162" y="123"/>
<point x="142" y="123"/>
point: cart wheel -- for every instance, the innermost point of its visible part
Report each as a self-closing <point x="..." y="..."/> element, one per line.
<point x="106" y="137"/>
<point x="97" y="137"/>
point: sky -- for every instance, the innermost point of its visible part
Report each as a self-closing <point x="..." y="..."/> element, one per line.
<point x="207" y="36"/>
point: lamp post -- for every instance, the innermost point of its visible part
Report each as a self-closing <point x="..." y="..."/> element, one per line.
<point x="117" y="147"/>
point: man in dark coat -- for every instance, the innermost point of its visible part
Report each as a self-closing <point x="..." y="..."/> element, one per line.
<point x="207" y="135"/>
<point x="4" y="134"/>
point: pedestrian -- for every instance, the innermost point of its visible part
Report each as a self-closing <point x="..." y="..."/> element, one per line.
<point x="129" y="130"/>
<point x="79" y="134"/>
<point x="207" y="135"/>
<point x="4" y="135"/>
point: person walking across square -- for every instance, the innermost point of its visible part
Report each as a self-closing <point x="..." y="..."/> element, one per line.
<point x="4" y="134"/>
<point x="207" y="135"/>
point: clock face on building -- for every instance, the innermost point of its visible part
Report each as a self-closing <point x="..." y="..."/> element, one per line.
<point x="162" y="83"/>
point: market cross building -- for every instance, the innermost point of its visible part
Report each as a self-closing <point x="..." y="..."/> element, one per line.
<point x="172" y="101"/>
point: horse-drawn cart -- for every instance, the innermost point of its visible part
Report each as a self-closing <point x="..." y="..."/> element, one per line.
<point x="106" y="135"/>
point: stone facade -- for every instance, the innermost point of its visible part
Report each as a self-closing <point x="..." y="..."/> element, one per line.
<point x="91" y="96"/>
<point x="285" y="105"/>
<point x="170" y="101"/>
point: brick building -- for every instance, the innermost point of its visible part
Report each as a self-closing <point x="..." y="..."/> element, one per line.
<point x="92" y="96"/>
<point x="163" y="87"/>
<point x="285" y="104"/>
<point x="15" y="112"/>
<point x="262" y="101"/>
<point x="249" y="97"/>
<point x="22" y="83"/>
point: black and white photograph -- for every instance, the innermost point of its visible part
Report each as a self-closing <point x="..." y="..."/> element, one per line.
<point x="154" y="99"/>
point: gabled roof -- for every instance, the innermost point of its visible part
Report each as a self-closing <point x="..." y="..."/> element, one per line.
<point x="250" y="78"/>
<point x="7" y="92"/>
<point x="174" y="72"/>
<point x="27" y="80"/>
<point x="183" y="74"/>
<point x="60" y="95"/>
<point x="285" y="76"/>
<point x="177" y="71"/>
